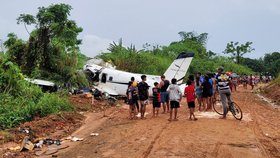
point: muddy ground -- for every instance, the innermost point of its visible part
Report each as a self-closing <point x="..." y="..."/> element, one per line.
<point x="256" y="136"/>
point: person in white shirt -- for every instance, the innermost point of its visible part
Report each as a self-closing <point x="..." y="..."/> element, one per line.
<point x="175" y="96"/>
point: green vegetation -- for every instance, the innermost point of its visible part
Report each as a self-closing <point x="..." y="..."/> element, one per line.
<point x="52" y="51"/>
<point x="277" y="80"/>
<point x="156" y="60"/>
<point x="237" y="51"/>
<point x="269" y="65"/>
<point x="21" y="101"/>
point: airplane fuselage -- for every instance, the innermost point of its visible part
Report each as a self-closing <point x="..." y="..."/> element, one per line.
<point x="115" y="82"/>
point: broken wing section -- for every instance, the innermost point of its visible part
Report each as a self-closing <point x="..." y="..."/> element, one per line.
<point x="179" y="67"/>
<point x="106" y="89"/>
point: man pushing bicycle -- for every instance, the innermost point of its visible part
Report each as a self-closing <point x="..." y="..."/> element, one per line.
<point x="223" y="81"/>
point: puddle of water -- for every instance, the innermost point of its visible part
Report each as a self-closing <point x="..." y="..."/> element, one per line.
<point x="246" y="116"/>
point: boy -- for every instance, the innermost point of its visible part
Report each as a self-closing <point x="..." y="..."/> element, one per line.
<point x="132" y="97"/>
<point x="190" y="96"/>
<point x="175" y="97"/>
<point x="156" y="99"/>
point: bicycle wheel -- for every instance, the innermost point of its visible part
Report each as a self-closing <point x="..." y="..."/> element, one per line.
<point x="236" y="111"/>
<point x="216" y="97"/>
<point x="218" y="107"/>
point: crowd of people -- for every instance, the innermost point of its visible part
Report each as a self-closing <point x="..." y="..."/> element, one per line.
<point x="203" y="88"/>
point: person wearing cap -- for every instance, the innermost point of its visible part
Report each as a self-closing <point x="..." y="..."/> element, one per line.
<point x="223" y="81"/>
<point x="143" y="92"/>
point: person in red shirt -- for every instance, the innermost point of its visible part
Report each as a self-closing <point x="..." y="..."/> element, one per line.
<point x="190" y="96"/>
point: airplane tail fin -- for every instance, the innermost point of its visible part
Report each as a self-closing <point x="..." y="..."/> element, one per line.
<point x="179" y="67"/>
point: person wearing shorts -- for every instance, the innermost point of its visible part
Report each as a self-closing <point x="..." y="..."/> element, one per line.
<point x="143" y="93"/>
<point x="175" y="95"/>
<point x="131" y="95"/>
<point x="164" y="96"/>
<point x="190" y="96"/>
<point x="156" y="99"/>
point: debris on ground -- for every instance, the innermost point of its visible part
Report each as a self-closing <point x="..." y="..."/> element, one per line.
<point x="26" y="144"/>
<point x="94" y="134"/>
<point x="36" y="136"/>
<point x="39" y="144"/>
<point x="17" y="148"/>
<point x="74" y="139"/>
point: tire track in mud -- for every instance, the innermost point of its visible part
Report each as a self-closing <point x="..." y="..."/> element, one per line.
<point x="216" y="149"/>
<point x="148" y="151"/>
<point x="260" y="145"/>
<point x="264" y="144"/>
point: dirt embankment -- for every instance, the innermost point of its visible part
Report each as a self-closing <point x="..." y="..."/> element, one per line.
<point x="272" y="91"/>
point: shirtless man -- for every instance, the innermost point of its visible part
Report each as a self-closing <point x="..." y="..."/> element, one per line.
<point x="164" y="96"/>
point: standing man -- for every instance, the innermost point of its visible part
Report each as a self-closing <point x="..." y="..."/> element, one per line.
<point x="143" y="91"/>
<point x="175" y="98"/>
<point x="223" y="81"/>
<point x="164" y="95"/>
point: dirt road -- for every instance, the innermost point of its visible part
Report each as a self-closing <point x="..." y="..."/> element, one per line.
<point x="256" y="136"/>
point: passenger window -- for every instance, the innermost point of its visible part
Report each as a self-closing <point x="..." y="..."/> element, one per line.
<point x="110" y="78"/>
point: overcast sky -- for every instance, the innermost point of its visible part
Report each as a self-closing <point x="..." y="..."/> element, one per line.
<point x="159" y="21"/>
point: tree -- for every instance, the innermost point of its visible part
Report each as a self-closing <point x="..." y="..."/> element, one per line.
<point x="272" y="63"/>
<point x="257" y="65"/>
<point x="16" y="49"/>
<point x="53" y="44"/>
<point x="190" y="42"/>
<point x="193" y="36"/>
<point x="238" y="50"/>
<point x="211" y="54"/>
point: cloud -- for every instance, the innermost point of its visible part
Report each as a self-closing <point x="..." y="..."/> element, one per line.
<point x="93" y="45"/>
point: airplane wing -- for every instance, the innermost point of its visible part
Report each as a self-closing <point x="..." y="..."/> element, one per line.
<point x="40" y="82"/>
<point x="104" y="88"/>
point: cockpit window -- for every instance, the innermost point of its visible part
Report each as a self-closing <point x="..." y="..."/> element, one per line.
<point x="96" y="77"/>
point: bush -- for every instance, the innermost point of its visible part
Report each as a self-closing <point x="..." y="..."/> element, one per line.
<point x="52" y="103"/>
<point x="21" y="100"/>
<point x="14" y="111"/>
<point x="277" y="80"/>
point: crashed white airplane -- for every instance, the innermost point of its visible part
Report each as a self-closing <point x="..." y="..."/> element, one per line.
<point x="115" y="82"/>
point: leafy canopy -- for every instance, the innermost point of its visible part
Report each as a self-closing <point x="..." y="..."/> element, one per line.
<point x="156" y="59"/>
<point x="52" y="51"/>
<point x="238" y="50"/>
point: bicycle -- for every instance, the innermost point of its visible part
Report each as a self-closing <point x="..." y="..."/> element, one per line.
<point x="232" y="107"/>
